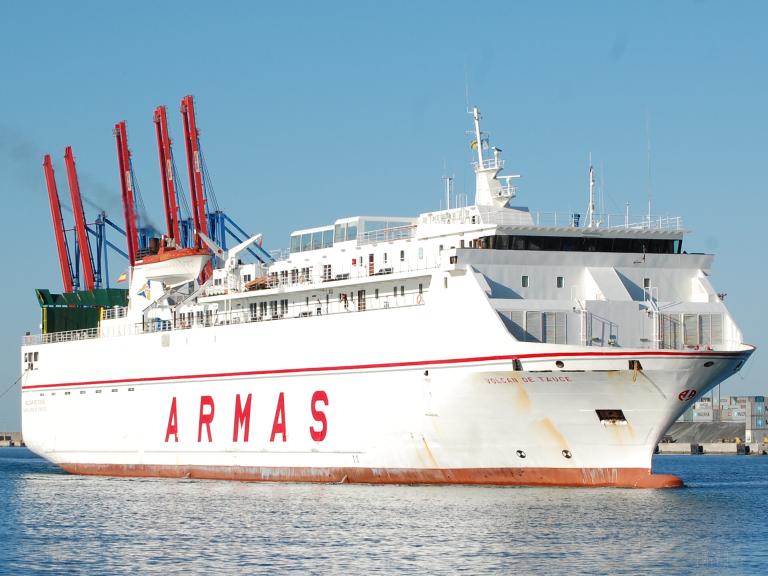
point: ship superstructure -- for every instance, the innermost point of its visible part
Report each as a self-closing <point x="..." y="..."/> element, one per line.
<point x="474" y="344"/>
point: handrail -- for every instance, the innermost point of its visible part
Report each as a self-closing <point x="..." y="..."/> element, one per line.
<point x="388" y="234"/>
<point x="489" y="163"/>
<point x="607" y="221"/>
<point x="357" y="272"/>
<point x="218" y="318"/>
<point x="114" y="312"/>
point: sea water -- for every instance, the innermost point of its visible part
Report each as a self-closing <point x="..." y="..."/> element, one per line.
<point x="56" y="523"/>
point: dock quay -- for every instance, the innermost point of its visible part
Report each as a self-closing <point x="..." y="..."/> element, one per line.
<point x="709" y="438"/>
<point x="11" y="439"/>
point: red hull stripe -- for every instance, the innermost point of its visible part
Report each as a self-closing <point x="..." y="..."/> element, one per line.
<point x="587" y="477"/>
<point x="385" y="365"/>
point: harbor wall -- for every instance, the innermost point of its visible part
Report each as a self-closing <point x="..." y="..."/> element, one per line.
<point x="8" y="439"/>
<point x="710" y="438"/>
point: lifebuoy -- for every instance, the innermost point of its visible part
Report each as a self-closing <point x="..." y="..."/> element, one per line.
<point x="419" y="299"/>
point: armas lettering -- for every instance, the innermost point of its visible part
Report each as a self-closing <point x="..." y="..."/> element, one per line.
<point x="241" y="426"/>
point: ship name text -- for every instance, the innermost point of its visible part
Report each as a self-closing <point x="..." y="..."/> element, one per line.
<point x="242" y="420"/>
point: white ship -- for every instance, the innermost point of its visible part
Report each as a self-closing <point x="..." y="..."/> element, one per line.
<point x="478" y="344"/>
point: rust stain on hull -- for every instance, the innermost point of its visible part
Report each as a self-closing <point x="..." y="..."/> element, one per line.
<point x="522" y="402"/>
<point x="430" y="456"/>
<point x="575" y="477"/>
<point x="545" y="427"/>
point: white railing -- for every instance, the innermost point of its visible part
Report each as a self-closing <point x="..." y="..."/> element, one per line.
<point x="508" y="191"/>
<point x="280" y="254"/>
<point x="113" y="313"/>
<point x="358" y="272"/>
<point x="65" y="336"/>
<point x="489" y="163"/>
<point x="578" y="220"/>
<point x="611" y="221"/>
<point x="230" y="317"/>
<point x="388" y="234"/>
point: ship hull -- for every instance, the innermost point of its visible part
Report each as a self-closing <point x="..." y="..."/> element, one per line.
<point x="506" y="418"/>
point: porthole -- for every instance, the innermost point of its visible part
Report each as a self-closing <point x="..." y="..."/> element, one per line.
<point x="708" y="364"/>
<point x="559" y="364"/>
<point x="520" y="454"/>
<point x="567" y="454"/>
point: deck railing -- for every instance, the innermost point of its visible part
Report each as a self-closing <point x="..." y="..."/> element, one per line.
<point x="578" y="220"/>
<point x="228" y="317"/>
<point x="388" y="234"/>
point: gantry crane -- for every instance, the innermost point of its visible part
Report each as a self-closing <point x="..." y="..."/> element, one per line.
<point x="194" y="167"/>
<point x="126" y="188"/>
<point x="58" y="226"/>
<point x="167" y="175"/>
<point x="81" y="231"/>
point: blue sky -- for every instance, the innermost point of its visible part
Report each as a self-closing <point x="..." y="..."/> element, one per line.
<point x="310" y="111"/>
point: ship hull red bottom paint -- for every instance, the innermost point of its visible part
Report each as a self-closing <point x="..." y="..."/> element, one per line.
<point x="575" y="477"/>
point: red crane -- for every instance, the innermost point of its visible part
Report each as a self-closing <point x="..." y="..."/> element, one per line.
<point x="194" y="166"/>
<point x="166" y="174"/>
<point x="192" y="142"/>
<point x="126" y="187"/>
<point x="58" y="225"/>
<point x="80" y="230"/>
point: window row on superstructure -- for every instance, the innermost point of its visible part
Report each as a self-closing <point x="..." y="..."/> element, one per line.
<point x="579" y="244"/>
<point x="671" y="331"/>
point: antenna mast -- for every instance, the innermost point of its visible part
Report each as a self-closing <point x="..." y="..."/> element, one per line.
<point x="591" y="209"/>
<point x="648" y="152"/>
<point x="448" y="191"/>
<point x="478" y="142"/>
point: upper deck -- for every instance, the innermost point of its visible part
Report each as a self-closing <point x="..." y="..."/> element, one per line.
<point x="363" y="257"/>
